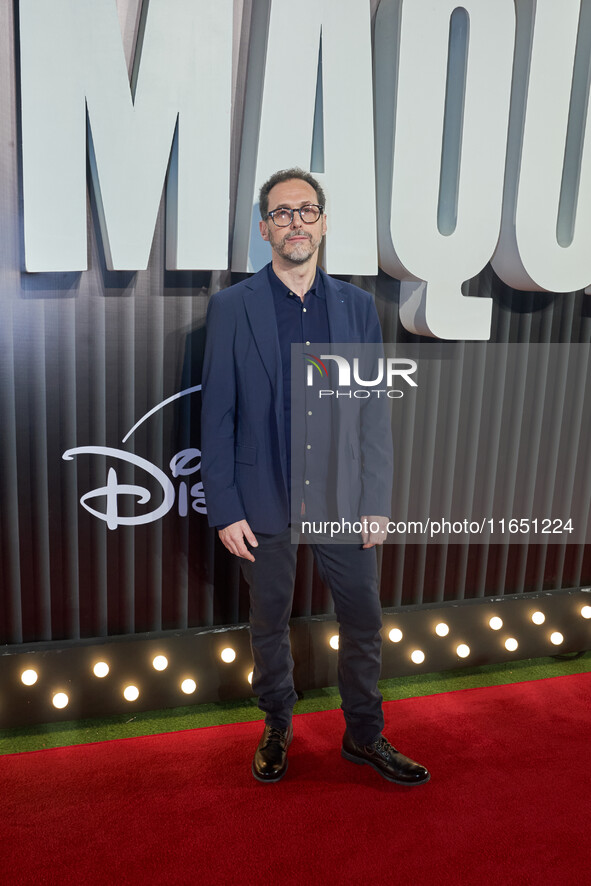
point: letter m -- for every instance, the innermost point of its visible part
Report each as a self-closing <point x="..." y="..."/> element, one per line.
<point x="173" y="117"/>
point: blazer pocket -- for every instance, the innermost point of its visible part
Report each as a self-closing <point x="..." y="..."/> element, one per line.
<point x="246" y="455"/>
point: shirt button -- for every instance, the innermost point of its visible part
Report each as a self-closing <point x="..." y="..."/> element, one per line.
<point x="304" y="310"/>
<point x="308" y="343"/>
<point x="308" y="446"/>
<point x="309" y="412"/>
<point x="307" y="482"/>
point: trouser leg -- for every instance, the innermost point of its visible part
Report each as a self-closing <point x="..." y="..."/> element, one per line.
<point x="271" y="580"/>
<point x="351" y="574"/>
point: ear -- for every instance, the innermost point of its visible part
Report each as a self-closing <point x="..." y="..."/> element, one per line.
<point x="324" y="225"/>
<point x="263" y="228"/>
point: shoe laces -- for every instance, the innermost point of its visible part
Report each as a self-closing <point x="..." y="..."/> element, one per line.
<point x="383" y="746"/>
<point x="275" y="734"/>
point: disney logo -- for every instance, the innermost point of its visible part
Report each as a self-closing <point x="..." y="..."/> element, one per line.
<point x="182" y="464"/>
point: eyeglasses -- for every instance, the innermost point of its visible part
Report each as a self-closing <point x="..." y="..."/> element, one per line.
<point x="283" y="216"/>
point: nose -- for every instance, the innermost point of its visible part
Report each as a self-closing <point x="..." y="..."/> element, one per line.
<point x="296" y="221"/>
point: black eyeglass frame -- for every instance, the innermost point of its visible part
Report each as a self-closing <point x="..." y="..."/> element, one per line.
<point x="317" y="206"/>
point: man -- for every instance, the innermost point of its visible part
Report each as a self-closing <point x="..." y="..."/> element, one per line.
<point x="246" y="423"/>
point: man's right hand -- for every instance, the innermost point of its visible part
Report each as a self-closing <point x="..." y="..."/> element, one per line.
<point x="232" y="537"/>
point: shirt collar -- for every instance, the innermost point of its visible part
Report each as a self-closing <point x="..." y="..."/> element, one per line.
<point x="280" y="289"/>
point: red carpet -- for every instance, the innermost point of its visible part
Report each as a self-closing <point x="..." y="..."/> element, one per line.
<point x="509" y="801"/>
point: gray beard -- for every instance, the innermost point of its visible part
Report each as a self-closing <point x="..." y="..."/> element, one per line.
<point x="299" y="254"/>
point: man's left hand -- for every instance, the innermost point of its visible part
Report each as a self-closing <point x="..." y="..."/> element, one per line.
<point x="373" y="538"/>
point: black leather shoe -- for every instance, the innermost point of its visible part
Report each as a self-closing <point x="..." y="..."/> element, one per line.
<point x="270" y="759"/>
<point x="387" y="760"/>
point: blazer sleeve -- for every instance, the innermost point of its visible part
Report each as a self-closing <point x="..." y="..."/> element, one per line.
<point x="218" y="415"/>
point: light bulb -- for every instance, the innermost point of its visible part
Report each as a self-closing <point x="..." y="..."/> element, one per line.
<point x="228" y="654"/>
<point x="463" y="650"/>
<point x="60" y="700"/>
<point x="496" y="623"/>
<point x="101" y="669"/>
<point x="395" y="635"/>
<point x="538" y="618"/>
<point x="418" y="656"/>
<point x="442" y="630"/>
<point x="160" y="663"/>
<point x="29" y="677"/>
<point x="511" y="644"/>
<point x="334" y="641"/>
<point x="131" y="693"/>
<point x="188" y="686"/>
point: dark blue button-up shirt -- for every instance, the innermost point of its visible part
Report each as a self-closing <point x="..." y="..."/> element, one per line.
<point x="304" y="322"/>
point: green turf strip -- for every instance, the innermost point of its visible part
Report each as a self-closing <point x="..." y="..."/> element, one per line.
<point x="51" y="735"/>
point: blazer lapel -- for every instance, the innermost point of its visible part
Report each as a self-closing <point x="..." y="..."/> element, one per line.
<point x="338" y="316"/>
<point x="260" y="310"/>
<point x="258" y="302"/>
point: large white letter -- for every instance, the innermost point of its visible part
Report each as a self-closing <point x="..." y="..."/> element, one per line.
<point x="546" y="231"/>
<point x="318" y="117"/>
<point x="72" y="54"/>
<point x="443" y="87"/>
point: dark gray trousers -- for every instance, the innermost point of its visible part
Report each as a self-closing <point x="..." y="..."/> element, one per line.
<point x="351" y="574"/>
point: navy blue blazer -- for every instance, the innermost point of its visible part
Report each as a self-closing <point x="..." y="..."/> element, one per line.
<point x="244" y="460"/>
